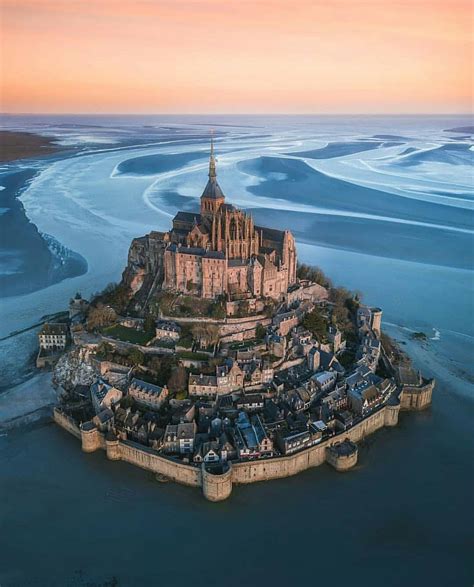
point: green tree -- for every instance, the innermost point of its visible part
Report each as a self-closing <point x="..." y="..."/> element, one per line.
<point x="105" y="350"/>
<point x="154" y="364"/>
<point x="149" y="324"/>
<point x="127" y="402"/>
<point x="260" y="332"/>
<point x="100" y="316"/>
<point x="314" y="274"/>
<point x="217" y="311"/>
<point x="178" y="380"/>
<point x="136" y="357"/>
<point x="167" y="365"/>
<point x="316" y="324"/>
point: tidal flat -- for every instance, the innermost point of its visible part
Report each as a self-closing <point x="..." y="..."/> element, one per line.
<point x="396" y="518"/>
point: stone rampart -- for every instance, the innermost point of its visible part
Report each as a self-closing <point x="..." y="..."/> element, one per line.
<point x="147" y="459"/>
<point x="66" y="422"/>
<point x="217" y="487"/>
<point x="342" y="456"/>
<point x="417" y="397"/>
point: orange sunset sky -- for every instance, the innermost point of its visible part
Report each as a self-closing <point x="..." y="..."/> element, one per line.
<point x="223" y="56"/>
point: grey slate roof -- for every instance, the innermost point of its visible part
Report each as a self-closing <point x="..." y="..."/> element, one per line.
<point x="187" y="216"/>
<point x="212" y="190"/>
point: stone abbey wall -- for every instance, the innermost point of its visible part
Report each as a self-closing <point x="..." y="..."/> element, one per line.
<point x="219" y="487"/>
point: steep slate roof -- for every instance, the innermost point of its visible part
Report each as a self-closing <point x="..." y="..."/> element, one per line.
<point x="187" y="216"/>
<point x="54" y="328"/>
<point x="212" y="191"/>
<point x="271" y="233"/>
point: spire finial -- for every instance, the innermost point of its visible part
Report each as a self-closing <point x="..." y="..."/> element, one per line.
<point x="212" y="160"/>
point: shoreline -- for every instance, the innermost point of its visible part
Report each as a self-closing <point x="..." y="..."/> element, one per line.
<point x="29" y="402"/>
<point x="425" y="357"/>
<point x="17" y="145"/>
<point x="31" y="259"/>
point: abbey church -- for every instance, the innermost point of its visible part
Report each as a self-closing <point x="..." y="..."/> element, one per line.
<point x="221" y="251"/>
<point x="217" y="252"/>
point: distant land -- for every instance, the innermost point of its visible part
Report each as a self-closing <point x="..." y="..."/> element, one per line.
<point x="462" y="129"/>
<point x="20" y="145"/>
<point x="30" y="260"/>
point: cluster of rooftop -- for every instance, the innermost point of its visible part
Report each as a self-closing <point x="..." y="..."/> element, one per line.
<point x="301" y="367"/>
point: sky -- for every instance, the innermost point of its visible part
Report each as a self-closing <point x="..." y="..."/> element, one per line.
<point x="236" y="56"/>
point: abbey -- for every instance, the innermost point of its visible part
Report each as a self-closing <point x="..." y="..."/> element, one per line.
<point x="220" y="251"/>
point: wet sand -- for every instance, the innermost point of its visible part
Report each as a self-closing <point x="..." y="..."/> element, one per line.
<point x="22" y="145"/>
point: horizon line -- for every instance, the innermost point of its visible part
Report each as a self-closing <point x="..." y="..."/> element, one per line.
<point x="469" y="114"/>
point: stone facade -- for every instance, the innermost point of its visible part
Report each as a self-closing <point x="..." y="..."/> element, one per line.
<point x="53" y="336"/>
<point x="216" y="252"/>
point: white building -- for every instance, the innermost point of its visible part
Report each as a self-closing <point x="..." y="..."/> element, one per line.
<point x="53" y="336"/>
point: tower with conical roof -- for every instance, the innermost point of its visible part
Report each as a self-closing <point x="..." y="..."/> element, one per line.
<point x="212" y="197"/>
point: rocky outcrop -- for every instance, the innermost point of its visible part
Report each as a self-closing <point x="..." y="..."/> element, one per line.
<point x="144" y="272"/>
<point x="75" y="368"/>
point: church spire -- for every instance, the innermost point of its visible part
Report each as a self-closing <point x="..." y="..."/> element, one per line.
<point x="212" y="161"/>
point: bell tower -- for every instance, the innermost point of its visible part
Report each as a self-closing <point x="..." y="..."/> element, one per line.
<point x="212" y="197"/>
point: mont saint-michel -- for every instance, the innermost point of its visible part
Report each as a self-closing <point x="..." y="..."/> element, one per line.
<point x="218" y="360"/>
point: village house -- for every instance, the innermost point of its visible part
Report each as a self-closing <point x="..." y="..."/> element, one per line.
<point x="147" y="394"/>
<point x="166" y="329"/>
<point x="179" y="438"/>
<point x="344" y="419"/>
<point x="229" y="377"/>
<point x="257" y="374"/>
<point x="53" y="336"/>
<point x="335" y="338"/>
<point x="290" y="441"/>
<point x="250" y="402"/>
<point x="251" y="438"/>
<point x="104" y="420"/>
<point x="364" y="398"/>
<point x="336" y="399"/>
<point x="324" y="381"/>
<point x="104" y="395"/>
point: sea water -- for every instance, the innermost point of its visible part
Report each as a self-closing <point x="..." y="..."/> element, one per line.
<point x="383" y="205"/>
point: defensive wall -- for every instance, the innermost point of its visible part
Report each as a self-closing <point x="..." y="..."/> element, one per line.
<point x="417" y="397"/>
<point x="217" y="487"/>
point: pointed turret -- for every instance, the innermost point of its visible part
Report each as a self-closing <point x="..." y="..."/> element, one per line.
<point x="212" y="161"/>
<point x="212" y="197"/>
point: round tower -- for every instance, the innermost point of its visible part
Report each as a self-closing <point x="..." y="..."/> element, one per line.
<point x="391" y="413"/>
<point x="112" y="446"/>
<point x="216" y="481"/>
<point x="342" y="455"/>
<point x="90" y="437"/>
